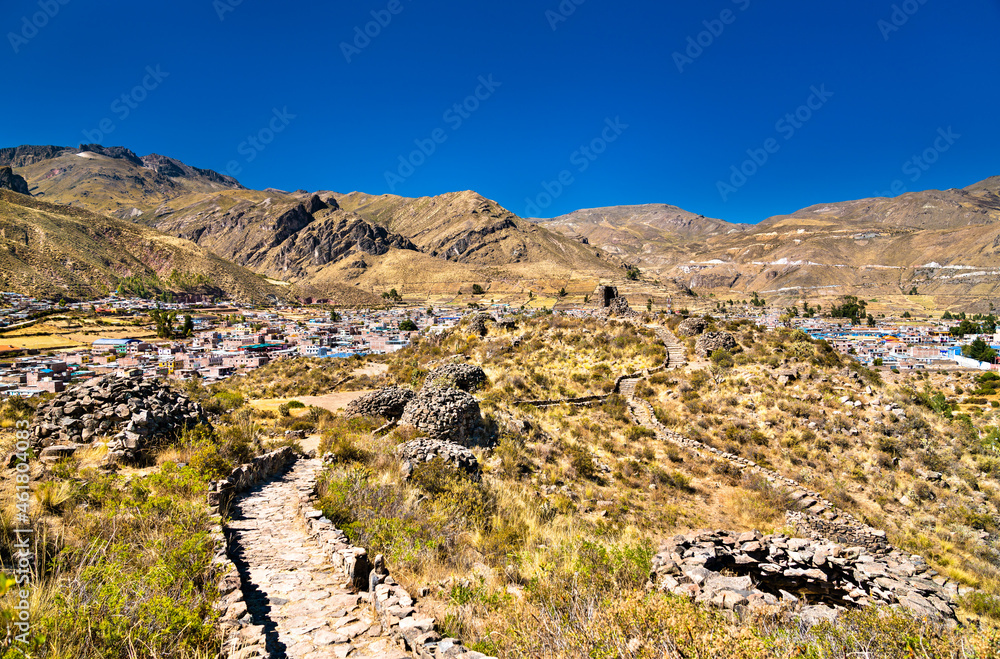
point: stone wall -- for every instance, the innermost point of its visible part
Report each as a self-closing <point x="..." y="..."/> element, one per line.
<point x="245" y="476"/>
<point x="396" y="608"/>
<point x="231" y="605"/>
<point x="424" y="449"/>
<point x="815" y="579"/>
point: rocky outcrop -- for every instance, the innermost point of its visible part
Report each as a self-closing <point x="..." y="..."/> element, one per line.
<point x="28" y="154"/>
<point x="817" y="579"/>
<point x="388" y="403"/>
<point x="331" y="239"/>
<point x="467" y="377"/>
<point x="711" y="341"/>
<point x="140" y="414"/>
<point x="11" y="181"/>
<point x="447" y="415"/>
<point x="418" y="451"/>
<point x="172" y="168"/>
<point x="116" y="152"/>
<point x="692" y="327"/>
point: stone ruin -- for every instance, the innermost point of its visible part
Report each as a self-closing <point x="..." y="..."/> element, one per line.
<point x="604" y="295"/>
<point x="140" y="414"/>
<point x="477" y="325"/>
<point x="816" y="579"/>
<point x="450" y="415"/>
<point x="466" y="377"/>
<point x="709" y="342"/>
<point x="691" y="327"/>
<point x="619" y="308"/>
<point x="388" y="403"/>
<point x="425" y="449"/>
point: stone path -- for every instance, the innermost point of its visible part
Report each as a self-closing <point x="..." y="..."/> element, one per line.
<point x="676" y="352"/>
<point x="299" y="597"/>
<point x="815" y="513"/>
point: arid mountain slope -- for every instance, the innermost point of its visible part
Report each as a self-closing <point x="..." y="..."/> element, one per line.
<point x="651" y="234"/>
<point x="110" y="180"/>
<point x="466" y="227"/>
<point x="60" y="251"/>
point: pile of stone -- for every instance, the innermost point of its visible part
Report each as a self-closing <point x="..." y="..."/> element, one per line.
<point x="466" y="377"/>
<point x="709" y="342"/>
<point x="478" y="324"/>
<point x="450" y="415"/>
<point x="619" y="308"/>
<point x="424" y="449"/>
<point x="388" y="403"/>
<point x="818" y="579"/>
<point x="140" y="414"/>
<point x="692" y="327"/>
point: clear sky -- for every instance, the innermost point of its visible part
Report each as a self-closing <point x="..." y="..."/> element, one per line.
<point x="580" y="104"/>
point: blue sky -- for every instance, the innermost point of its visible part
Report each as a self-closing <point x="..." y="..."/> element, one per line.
<point x="560" y="106"/>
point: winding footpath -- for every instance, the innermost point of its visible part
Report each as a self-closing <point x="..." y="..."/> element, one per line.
<point x="815" y="514"/>
<point x="303" y="602"/>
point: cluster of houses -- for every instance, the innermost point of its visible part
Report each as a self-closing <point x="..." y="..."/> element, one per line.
<point x="906" y="347"/>
<point x="218" y="349"/>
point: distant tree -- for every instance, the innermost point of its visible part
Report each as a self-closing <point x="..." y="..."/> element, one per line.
<point x="906" y="314"/>
<point x="632" y="274"/>
<point x="913" y="291"/>
<point x="947" y="316"/>
<point x="649" y="304"/>
<point x="477" y="289"/>
<point x="188" y="326"/>
<point x="850" y="307"/>
<point x="980" y="350"/>
<point x="334" y="316"/>
<point x="394" y="296"/>
<point x="562" y="292"/>
<point x="407" y="325"/>
<point x="871" y="320"/>
<point x="164" y="322"/>
<point x="878" y="361"/>
<point x="586" y="299"/>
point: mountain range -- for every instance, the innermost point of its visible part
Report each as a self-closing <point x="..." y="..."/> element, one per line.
<point x="351" y="247"/>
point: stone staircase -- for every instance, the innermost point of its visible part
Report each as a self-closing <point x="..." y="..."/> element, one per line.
<point x="676" y="351"/>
